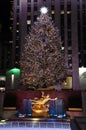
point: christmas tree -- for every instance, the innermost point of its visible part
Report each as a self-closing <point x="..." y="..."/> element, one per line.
<point x="42" y="63"/>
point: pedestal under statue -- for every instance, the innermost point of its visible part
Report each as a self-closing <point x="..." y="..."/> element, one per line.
<point x="42" y="107"/>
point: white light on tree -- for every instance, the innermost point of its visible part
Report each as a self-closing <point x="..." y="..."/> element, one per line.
<point x="43" y="10"/>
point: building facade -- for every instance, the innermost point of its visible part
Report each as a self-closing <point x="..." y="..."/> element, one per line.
<point x="70" y="18"/>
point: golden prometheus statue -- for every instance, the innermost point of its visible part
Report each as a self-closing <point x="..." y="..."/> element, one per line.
<point x="41" y="105"/>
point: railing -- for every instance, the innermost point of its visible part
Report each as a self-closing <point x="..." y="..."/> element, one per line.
<point x="34" y="124"/>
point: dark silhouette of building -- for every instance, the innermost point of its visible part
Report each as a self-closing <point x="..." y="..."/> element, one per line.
<point x="5" y="46"/>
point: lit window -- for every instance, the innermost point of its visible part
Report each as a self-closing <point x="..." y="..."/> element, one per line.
<point x="62" y="12"/>
<point x="16" y="62"/>
<point x="17" y="23"/>
<point x="2" y="78"/>
<point x="52" y="12"/>
<point x="17" y="46"/>
<point x="70" y="65"/>
<point x="69" y="55"/>
<point x="62" y="48"/>
<point x="29" y="22"/>
<point x="69" y="48"/>
<point x="17" y="31"/>
<point x="11" y="18"/>
<point x="10" y="41"/>
<point x="10" y="28"/>
<point x="68" y="12"/>
<point x="29" y="13"/>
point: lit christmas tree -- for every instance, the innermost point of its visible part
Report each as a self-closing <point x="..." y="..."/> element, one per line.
<point x="42" y="63"/>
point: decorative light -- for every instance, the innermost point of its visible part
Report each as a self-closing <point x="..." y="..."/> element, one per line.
<point x="62" y="48"/>
<point x="82" y="70"/>
<point x="12" y="78"/>
<point x="44" y="10"/>
<point x="14" y="71"/>
<point x="28" y="22"/>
